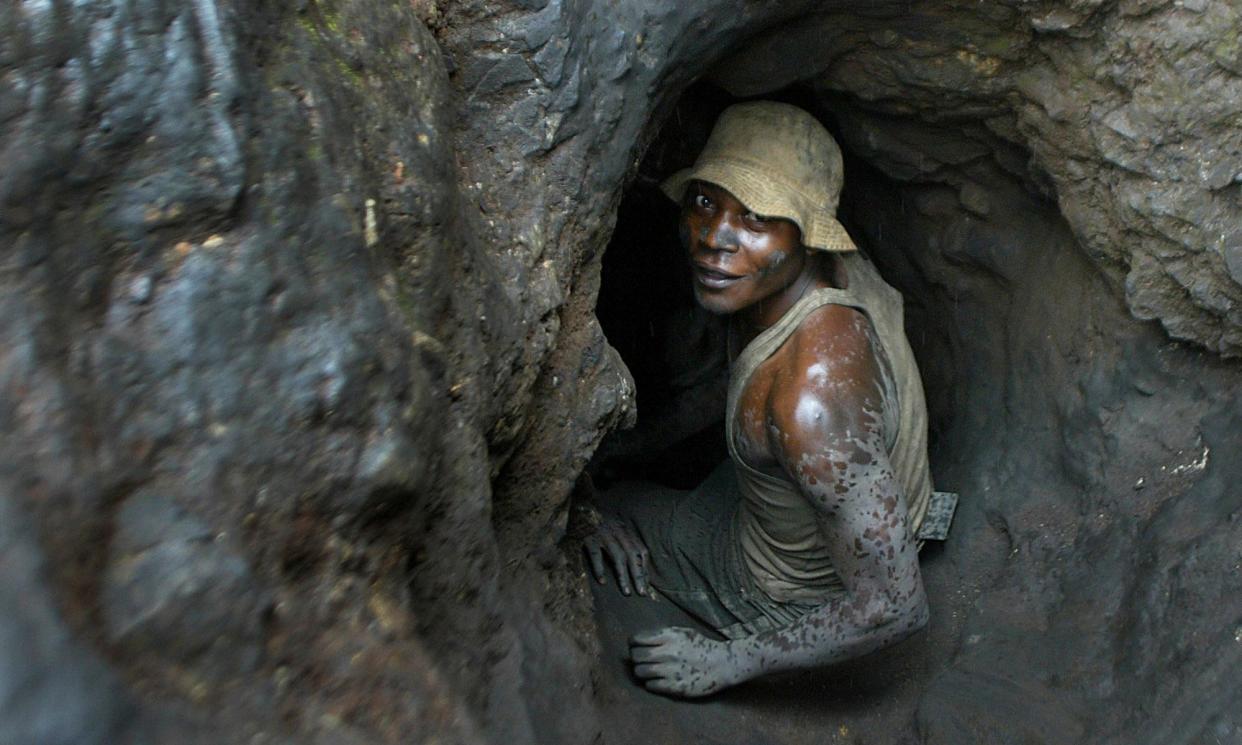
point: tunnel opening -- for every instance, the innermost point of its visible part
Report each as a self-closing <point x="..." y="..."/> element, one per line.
<point x="672" y="347"/>
<point x="1040" y="388"/>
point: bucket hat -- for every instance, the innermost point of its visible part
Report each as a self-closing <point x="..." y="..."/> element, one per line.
<point x="779" y="161"/>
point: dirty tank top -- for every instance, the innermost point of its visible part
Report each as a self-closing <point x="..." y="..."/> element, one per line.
<point x="776" y="526"/>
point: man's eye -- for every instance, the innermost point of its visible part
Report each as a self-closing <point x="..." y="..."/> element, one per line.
<point x="702" y="201"/>
<point x="758" y="219"/>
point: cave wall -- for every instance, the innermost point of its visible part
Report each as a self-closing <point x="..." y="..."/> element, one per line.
<point x="1087" y="590"/>
<point x="225" y="371"/>
<point x="1128" y="111"/>
<point x="300" y="363"/>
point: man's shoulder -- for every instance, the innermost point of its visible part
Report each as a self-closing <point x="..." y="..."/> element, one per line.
<point x="830" y="372"/>
<point x="836" y="336"/>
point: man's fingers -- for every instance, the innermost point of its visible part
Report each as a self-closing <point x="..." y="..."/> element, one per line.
<point x="648" y="670"/>
<point x="650" y="654"/>
<point x="596" y="558"/>
<point x="626" y="552"/>
<point x="660" y="636"/>
<point x="637" y="555"/>
<point x="617" y="554"/>
<point x="635" y="558"/>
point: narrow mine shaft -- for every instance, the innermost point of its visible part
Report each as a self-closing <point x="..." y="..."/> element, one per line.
<point x="1024" y="365"/>
<point x="320" y="320"/>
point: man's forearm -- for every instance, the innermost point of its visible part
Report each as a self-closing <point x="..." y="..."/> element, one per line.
<point x="840" y="630"/>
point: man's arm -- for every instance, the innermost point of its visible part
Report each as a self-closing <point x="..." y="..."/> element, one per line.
<point x="825" y="431"/>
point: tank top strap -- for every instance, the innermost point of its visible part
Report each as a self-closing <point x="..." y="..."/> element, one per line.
<point x="767" y="342"/>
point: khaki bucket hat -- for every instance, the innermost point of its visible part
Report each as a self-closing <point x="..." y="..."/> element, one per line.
<point x="779" y="162"/>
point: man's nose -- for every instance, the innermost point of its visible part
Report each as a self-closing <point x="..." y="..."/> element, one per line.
<point x="721" y="236"/>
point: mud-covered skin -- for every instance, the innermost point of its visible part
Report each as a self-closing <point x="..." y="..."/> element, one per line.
<point x="758" y="259"/>
<point x="678" y="661"/>
<point x="811" y="412"/>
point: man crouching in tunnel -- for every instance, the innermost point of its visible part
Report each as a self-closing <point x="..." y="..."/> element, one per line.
<point x="800" y="550"/>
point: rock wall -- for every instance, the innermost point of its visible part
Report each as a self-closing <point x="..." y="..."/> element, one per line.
<point x="300" y="362"/>
<point x="1088" y="583"/>
<point x="1124" y="113"/>
<point x="231" y="370"/>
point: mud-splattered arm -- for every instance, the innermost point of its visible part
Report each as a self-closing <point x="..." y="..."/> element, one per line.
<point x="824" y="429"/>
<point x="827" y="435"/>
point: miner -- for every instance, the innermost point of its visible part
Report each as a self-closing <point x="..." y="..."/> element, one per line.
<point x="801" y="549"/>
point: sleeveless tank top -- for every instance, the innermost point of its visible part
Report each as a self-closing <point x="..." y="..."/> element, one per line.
<point x="780" y="542"/>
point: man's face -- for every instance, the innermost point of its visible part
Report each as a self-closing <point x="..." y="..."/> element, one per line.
<point x="737" y="258"/>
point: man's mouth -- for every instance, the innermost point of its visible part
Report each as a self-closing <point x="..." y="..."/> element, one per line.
<point x="712" y="277"/>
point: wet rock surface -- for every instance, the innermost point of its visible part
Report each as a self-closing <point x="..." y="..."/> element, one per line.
<point x="299" y="360"/>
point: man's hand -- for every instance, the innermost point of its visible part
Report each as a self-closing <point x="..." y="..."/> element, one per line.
<point x="628" y="554"/>
<point x="682" y="662"/>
